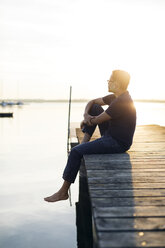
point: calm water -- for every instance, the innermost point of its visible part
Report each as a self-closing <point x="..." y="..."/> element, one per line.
<point x="32" y="158"/>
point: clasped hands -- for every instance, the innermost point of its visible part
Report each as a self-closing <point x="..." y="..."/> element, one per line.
<point x="87" y="120"/>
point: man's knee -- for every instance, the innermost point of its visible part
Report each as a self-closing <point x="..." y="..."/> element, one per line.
<point x="75" y="152"/>
<point x="96" y="109"/>
<point x="79" y="150"/>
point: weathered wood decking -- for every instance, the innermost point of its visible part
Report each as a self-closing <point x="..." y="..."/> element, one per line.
<point x="127" y="192"/>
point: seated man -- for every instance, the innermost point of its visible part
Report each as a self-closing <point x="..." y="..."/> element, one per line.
<point x="117" y="125"/>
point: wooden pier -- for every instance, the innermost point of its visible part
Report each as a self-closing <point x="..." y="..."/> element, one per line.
<point x="127" y="192"/>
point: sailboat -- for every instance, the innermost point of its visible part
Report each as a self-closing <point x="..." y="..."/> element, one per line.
<point x="3" y="104"/>
<point x="11" y="103"/>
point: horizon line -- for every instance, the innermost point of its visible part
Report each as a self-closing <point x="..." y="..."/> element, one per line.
<point x="73" y="100"/>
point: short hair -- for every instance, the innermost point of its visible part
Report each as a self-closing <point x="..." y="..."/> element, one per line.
<point x="122" y="77"/>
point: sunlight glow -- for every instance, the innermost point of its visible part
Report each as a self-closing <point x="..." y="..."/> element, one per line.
<point x="46" y="46"/>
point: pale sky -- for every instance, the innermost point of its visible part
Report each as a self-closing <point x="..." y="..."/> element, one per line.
<point x="47" y="45"/>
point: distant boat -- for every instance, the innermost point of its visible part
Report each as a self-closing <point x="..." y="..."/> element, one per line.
<point x="19" y="103"/>
<point x="3" y="103"/>
<point x="6" y="114"/>
<point x="10" y="103"/>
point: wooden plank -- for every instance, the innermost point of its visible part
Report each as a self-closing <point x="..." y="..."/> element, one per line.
<point x="129" y="211"/>
<point x="148" y="145"/>
<point x="73" y="136"/>
<point x="126" y="185"/>
<point x="131" y="239"/>
<point x="126" y="193"/>
<point x="138" y="165"/>
<point x="130" y="224"/>
<point x="155" y="139"/>
<point x="124" y="173"/>
<point x="133" y="156"/>
<point x="126" y="179"/>
<point x="148" y="148"/>
<point x="131" y="201"/>
<point x="132" y="162"/>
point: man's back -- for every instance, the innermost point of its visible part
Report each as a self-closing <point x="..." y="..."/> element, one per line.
<point x="123" y="118"/>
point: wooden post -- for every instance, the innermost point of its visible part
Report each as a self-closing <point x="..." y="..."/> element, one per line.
<point x="83" y="212"/>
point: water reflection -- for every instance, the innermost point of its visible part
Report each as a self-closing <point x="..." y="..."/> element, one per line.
<point x="35" y="232"/>
<point x="32" y="157"/>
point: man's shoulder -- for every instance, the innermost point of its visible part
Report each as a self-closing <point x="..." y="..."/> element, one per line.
<point x="109" y="98"/>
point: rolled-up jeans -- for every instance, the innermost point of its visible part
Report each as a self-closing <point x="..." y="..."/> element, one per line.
<point x="104" y="145"/>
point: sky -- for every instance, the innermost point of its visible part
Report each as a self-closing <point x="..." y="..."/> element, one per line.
<point x="46" y="46"/>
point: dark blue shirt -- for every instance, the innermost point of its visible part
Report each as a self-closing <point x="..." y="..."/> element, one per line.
<point x="123" y="118"/>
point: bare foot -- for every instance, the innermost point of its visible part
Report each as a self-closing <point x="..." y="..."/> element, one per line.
<point x="56" y="197"/>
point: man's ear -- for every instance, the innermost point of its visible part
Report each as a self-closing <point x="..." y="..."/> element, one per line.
<point x="116" y="85"/>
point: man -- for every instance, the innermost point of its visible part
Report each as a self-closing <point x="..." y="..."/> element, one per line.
<point x="117" y="125"/>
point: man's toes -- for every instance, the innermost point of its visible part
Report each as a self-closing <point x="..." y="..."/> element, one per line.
<point x="46" y="198"/>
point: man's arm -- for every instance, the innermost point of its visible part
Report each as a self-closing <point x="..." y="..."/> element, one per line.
<point x="98" y="101"/>
<point x="88" y="117"/>
<point x="100" y="118"/>
<point x="92" y="120"/>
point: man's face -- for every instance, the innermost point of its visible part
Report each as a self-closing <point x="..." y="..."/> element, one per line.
<point x="111" y="84"/>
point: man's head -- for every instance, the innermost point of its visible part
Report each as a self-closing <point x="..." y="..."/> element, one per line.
<point x="118" y="81"/>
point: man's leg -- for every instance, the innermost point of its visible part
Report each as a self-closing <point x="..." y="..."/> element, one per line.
<point x="86" y="138"/>
<point x="62" y="194"/>
<point x="102" y="145"/>
<point x="69" y="175"/>
<point x="95" y="111"/>
<point x="70" y="172"/>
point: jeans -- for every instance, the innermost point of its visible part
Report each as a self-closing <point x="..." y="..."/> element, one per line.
<point x="104" y="145"/>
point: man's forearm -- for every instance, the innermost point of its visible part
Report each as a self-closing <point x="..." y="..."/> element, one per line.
<point x="98" y="101"/>
<point x="100" y="118"/>
<point x="87" y="116"/>
<point x="88" y="107"/>
<point x="94" y="120"/>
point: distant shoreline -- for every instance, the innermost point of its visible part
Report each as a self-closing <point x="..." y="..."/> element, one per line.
<point x="149" y="100"/>
<point x="73" y="100"/>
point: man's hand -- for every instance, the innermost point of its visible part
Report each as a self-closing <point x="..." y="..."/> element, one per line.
<point x="87" y="119"/>
<point x="82" y="124"/>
